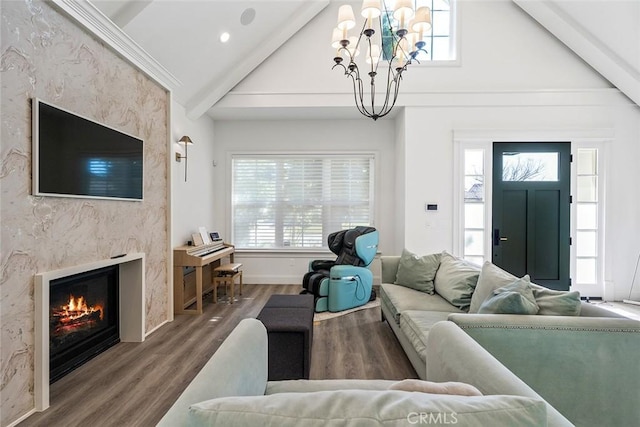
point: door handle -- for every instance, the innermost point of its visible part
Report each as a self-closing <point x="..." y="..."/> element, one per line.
<point x="497" y="238"/>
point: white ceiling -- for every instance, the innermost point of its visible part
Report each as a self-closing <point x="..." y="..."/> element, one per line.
<point x="183" y="36"/>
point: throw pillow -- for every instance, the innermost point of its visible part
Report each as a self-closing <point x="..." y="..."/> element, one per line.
<point x="556" y="303"/>
<point x="491" y="278"/>
<point x="417" y="272"/>
<point x="516" y="298"/>
<point x="456" y="280"/>
<point x="451" y="387"/>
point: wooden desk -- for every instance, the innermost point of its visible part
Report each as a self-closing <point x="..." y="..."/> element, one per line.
<point x="183" y="258"/>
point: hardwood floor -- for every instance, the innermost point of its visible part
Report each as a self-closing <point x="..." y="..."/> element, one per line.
<point x="134" y="384"/>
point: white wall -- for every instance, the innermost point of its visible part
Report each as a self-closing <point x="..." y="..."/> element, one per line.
<point x="309" y="136"/>
<point x="192" y="203"/>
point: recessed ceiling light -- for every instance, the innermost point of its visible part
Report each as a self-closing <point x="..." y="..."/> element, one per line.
<point x="224" y="37"/>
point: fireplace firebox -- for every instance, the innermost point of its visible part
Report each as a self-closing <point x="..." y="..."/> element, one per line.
<point x="83" y="318"/>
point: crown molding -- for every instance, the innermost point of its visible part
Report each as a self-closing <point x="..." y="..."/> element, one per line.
<point x="91" y="18"/>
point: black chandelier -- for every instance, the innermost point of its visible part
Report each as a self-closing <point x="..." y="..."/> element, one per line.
<point x="397" y="46"/>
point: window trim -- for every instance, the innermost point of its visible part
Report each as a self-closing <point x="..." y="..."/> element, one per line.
<point x="599" y="288"/>
<point x="459" y="147"/>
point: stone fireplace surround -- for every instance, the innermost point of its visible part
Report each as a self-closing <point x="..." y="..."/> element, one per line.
<point x="132" y="312"/>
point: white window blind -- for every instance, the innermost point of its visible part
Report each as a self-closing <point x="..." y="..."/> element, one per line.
<point x="291" y="201"/>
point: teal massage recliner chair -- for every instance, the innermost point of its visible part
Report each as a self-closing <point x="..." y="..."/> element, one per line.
<point x="347" y="281"/>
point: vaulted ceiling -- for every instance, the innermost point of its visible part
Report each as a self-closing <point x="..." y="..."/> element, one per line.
<point x="183" y="36"/>
<point x="604" y="33"/>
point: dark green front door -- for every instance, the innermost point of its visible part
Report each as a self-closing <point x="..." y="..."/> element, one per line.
<point x="531" y="215"/>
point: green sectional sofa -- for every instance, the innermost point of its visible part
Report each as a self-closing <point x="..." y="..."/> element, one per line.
<point x="584" y="363"/>
<point x="232" y="390"/>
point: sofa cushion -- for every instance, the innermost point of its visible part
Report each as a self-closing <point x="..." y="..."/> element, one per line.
<point x="415" y="324"/>
<point x="456" y="280"/>
<point x="515" y="298"/>
<point x="366" y="408"/>
<point x="556" y="303"/>
<point x="417" y="272"/>
<point x="448" y="387"/>
<point x="491" y="277"/>
<point x="550" y="302"/>
<point x="398" y="299"/>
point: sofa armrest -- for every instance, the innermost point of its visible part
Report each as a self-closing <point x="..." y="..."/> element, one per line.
<point x="237" y="368"/>
<point x="592" y="310"/>
<point x="452" y="355"/>
<point x="586" y="367"/>
<point x="389" y="268"/>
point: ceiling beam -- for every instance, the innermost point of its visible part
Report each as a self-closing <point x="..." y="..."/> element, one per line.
<point x="585" y="44"/>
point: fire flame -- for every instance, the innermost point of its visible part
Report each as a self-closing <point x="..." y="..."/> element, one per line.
<point x="77" y="307"/>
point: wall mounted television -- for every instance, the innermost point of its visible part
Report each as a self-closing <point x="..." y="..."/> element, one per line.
<point x="73" y="156"/>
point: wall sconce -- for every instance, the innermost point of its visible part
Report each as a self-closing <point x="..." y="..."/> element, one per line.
<point x="187" y="142"/>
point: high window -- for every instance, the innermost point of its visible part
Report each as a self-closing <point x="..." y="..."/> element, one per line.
<point x="295" y="201"/>
<point x="439" y="40"/>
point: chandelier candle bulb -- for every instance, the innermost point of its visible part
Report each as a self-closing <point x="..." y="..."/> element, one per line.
<point x="412" y="40"/>
<point x="355" y="47"/>
<point x="373" y="55"/>
<point x="336" y="38"/>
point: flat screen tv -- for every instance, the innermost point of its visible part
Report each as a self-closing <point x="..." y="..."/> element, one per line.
<point x="73" y="156"/>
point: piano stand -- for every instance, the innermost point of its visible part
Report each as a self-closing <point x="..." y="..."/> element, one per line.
<point x="183" y="258"/>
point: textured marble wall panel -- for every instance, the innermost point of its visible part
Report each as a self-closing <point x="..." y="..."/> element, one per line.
<point x="46" y="55"/>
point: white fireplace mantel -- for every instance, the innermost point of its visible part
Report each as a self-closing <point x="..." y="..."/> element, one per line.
<point x="132" y="311"/>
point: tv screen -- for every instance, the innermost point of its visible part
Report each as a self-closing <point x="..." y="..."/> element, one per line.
<point x="77" y="157"/>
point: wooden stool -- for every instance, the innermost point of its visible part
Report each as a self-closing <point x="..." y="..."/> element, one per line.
<point x="226" y="274"/>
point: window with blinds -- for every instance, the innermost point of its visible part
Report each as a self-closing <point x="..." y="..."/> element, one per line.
<point x="295" y="202"/>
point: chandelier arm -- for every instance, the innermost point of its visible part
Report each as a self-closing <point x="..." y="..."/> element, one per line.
<point x="358" y="90"/>
<point x="360" y="105"/>
<point x="395" y="96"/>
<point x="389" y="84"/>
<point x="395" y="92"/>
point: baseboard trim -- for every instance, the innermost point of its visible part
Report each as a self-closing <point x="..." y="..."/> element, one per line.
<point x="22" y="418"/>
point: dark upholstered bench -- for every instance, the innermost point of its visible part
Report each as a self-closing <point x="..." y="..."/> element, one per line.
<point x="289" y="323"/>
